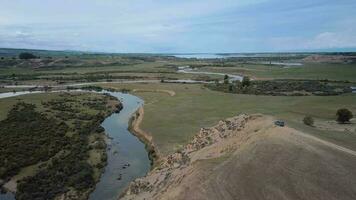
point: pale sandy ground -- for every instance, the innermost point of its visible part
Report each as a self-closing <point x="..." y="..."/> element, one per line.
<point x="145" y="137"/>
<point x="169" y="92"/>
<point x="135" y="124"/>
<point x="31" y="170"/>
<point x="332" y="125"/>
<point x="248" y="157"/>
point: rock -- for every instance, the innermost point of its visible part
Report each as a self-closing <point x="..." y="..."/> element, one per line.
<point x="126" y="165"/>
<point x="139" y="186"/>
<point x="120" y="177"/>
<point x="167" y="173"/>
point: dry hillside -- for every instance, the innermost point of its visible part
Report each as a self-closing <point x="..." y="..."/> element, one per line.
<point x="248" y="157"/>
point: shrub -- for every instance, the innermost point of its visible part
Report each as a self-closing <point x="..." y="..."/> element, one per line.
<point x="344" y="115"/>
<point x="226" y="79"/>
<point x="231" y="88"/>
<point x="246" y="81"/>
<point x="26" y="56"/>
<point x="308" y="120"/>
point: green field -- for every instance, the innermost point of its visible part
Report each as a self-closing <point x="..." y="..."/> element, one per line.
<point x="92" y="68"/>
<point x="7" y="103"/>
<point x="89" y="70"/>
<point x="318" y="71"/>
<point x="173" y="120"/>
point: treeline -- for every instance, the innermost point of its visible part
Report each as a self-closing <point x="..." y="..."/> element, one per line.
<point x="68" y="170"/>
<point x="28" y="137"/>
<point x="11" y="78"/>
<point x="57" y="137"/>
<point x="283" y="87"/>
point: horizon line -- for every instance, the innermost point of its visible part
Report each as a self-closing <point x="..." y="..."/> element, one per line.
<point x="342" y="50"/>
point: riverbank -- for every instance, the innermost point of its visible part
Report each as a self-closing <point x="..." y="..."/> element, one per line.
<point x="74" y="144"/>
<point x="127" y="155"/>
<point x="143" y="136"/>
<point x="131" y="162"/>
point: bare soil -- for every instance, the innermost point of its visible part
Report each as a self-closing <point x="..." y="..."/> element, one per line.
<point x="248" y="157"/>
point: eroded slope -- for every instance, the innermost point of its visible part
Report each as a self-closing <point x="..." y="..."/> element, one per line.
<point x="248" y="157"/>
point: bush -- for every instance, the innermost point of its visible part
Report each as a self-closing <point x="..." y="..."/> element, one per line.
<point x="344" y="115"/>
<point x="38" y="136"/>
<point x="26" y="56"/>
<point x="231" y="88"/>
<point x="226" y="79"/>
<point x="28" y="136"/>
<point x="284" y="87"/>
<point x="308" y="120"/>
<point x="246" y="81"/>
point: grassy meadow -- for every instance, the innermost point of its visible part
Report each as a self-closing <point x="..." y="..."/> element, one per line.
<point x="316" y="71"/>
<point x="173" y="120"/>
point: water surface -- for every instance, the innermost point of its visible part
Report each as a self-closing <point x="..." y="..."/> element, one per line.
<point x="127" y="156"/>
<point x="7" y="196"/>
<point x="189" y="70"/>
<point x="201" y="56"/>
<point x="124" y="148"/>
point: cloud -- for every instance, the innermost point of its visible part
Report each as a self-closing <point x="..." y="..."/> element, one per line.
<point x="22" y="34"/>
<point x="332" y="40"/>
<point x="178" y="25"/>
<point x="324" y="40"/>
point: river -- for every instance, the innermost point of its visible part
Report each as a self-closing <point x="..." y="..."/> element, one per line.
<point x="182" y="69"/>
<point x="189" y="70"/>
<point x="202" y="56"/>
<point x="123" y="149"/>
<point x="220" y="55"/>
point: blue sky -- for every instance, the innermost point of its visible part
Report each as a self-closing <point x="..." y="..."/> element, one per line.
<point x="178" y="26"/>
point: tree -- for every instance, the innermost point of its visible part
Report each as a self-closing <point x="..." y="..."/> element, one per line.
<point x="226" y="79"/>
<point x="344" y="115"/>
<point x="308" y="120"/>
<point x="246" y="81"/>
<point x="26" y="56"/>
<point x="231" y="88"/>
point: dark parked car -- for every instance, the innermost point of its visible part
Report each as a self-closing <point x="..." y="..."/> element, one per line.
<point x="279" y="123"/>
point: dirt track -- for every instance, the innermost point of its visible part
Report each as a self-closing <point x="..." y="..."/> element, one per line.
<point x="136" y="125"/>
<point x="143" y="135"/>
<point x="329" y="144"/>
<point x="247" y="157"/>
<point x="169" y="92"/>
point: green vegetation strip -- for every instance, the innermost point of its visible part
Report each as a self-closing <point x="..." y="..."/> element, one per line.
<point x="283" y="87"/>
<point x="63" y="134"/>
<point x="173" y="120"/>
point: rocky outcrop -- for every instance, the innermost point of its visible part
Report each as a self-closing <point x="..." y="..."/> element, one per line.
<point x="248" y="157"/>
<point x="173" y="168"/>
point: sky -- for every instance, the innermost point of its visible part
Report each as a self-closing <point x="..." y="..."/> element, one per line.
<point x="179" y="26"/>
